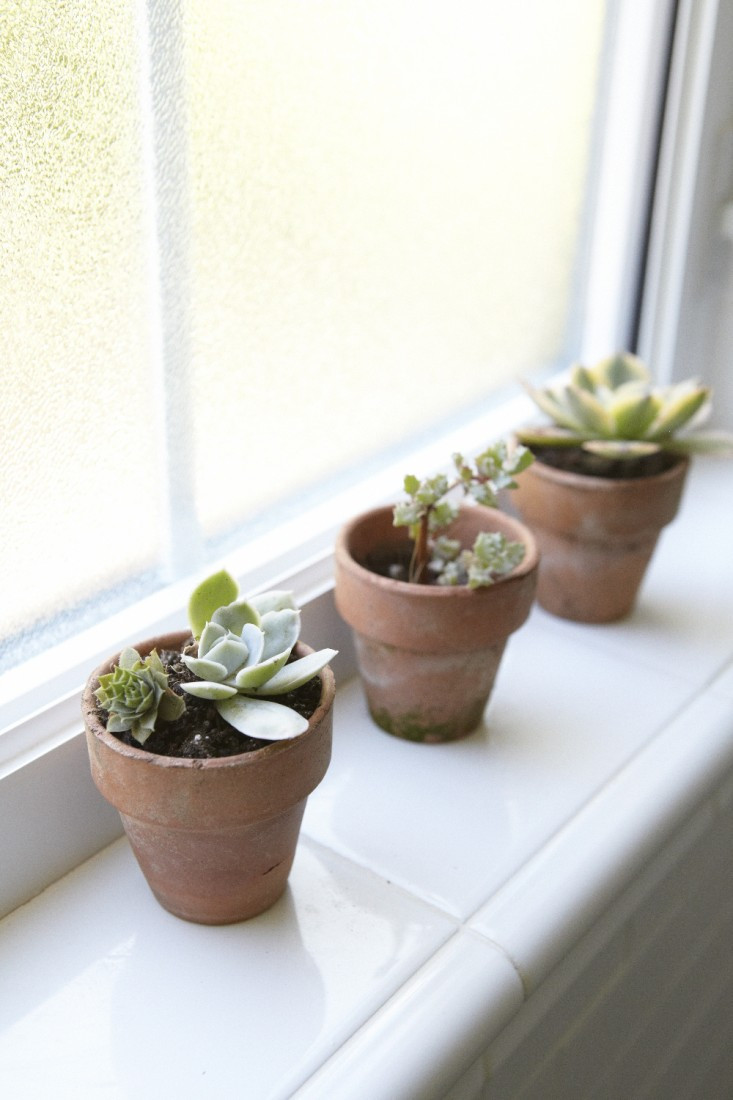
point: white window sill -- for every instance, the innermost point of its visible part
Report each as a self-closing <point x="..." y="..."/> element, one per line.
<point x="434" y="889"/>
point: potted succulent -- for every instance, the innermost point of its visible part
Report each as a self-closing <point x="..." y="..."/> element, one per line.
<point x="208" y="741"/>
<point x="432" y="589"/>
<point x="608" y="476"/>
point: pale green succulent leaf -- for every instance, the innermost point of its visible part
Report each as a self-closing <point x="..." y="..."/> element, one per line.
<point x="276" y="600"/>
<point x="255" y="676"/>
<point x="633" y="412"/>
<point x="298" y="672"/>
<point x="551" y="403"/>
<point x="206" y="669"/>
<point x="709" y="442"/>
<point x="589" y="411"/>
<point x="116" y="723"/>
<point x="617" y="370"/>
<point x="262" y="718"/>
<point x="236" y="615"/>
<point x="230" y="652"/>
<point x="210" y="635"/>
<point x="681" y="406"/>
<point x="170" y="707"/>
<point x="205" y="689"/>
<point x="254" y="639"/>
<point x="281" y="631"/>
<point x="582" y="378"/>
<point x="621" y="448"/>
<point x="216" y="591"/>
<point x="129" y="658"/>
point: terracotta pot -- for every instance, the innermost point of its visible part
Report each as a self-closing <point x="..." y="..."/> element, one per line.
<point x="215" y="838"/>
<point x="596" y="536"/>
<point x="428" y="655"/>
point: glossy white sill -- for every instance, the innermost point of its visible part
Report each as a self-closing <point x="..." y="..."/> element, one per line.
<point x="434" y="888"/>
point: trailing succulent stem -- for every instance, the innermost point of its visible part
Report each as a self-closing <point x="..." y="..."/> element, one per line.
<point x="613" y="410"/>
<point x="428" y="513"/>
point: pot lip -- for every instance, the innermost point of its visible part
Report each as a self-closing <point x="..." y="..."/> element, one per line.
<point x="607" y="484"/>
<point x="434" y="591"/>
<point x="175" y="640"/>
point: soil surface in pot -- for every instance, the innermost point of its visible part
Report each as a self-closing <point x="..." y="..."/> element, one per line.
<point x="575" y="460"/>
<point x="392" y="562"/>
<point x="201" y="733"/>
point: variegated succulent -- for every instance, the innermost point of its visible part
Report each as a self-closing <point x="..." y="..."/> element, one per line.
<point x="429" y="511"/>
<point x="614" y="410"/>
<point x="244" y="650"/>
<point x="136" y="695"/>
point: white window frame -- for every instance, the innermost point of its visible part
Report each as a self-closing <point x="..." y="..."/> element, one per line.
<point x="51" y="817"/>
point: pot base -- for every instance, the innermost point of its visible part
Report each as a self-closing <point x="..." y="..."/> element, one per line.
<point x="426" y="697"/>
<point x="217" y="877"/>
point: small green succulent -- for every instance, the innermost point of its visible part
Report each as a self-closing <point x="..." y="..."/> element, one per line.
<point x="492" y="556"/>
<point x="244" y="649"/>
<point x="429" y="511"/>
<point x="612" y="409"/>
<point x="136" y="695"/>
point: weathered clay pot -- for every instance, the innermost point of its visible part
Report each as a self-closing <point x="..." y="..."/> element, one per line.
<point x="428" y="655"/>
<point x="215" y="838"/>
<point x="596" y="536"/>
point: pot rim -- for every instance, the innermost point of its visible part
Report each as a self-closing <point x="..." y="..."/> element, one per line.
<point x="595" y="483"/>
<point x="176" y="640"/>
<point x="520" y="531"/>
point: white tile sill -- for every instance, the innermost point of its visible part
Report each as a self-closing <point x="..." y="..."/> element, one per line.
<point x="434" y="888"/>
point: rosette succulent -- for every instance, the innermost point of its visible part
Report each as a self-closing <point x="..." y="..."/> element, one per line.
<point x="612" y="409"/>
<point x="244" y="651"/>
<point x="136" y="695"/>
<point x="429" y="511"/>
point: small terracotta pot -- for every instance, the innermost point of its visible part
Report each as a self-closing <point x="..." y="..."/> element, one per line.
<point x="428" y="655"/>
<point x="215" y="838"/>
<point x="596" y="536"/>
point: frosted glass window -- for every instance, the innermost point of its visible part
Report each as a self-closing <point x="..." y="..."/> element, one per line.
<point x="79" y="442"/>
<point x="249" y="245"/>
<point x="387" y="212"/>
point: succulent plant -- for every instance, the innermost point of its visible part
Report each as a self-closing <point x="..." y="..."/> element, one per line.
<point x="612" y="409"/>
<point x="136" y="695"/>
<point x="244" y="650"/>
<point x="428" y="512"/>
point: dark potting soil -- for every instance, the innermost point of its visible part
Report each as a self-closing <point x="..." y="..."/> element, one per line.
<point x="575" y="460"/>
<point x="201" y="733"/>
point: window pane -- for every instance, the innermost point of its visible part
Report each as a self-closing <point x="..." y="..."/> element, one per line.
<point x="79" y="504"/>
<point x="387" y="214"/>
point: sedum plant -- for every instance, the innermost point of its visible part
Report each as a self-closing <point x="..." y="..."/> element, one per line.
<point x="136" y="695"/>
<point x="428" y="512"/>
<point x="244" y="649"/>
<point x="613" y="409"/>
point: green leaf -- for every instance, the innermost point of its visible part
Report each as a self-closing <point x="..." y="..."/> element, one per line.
<point x="617" y="370"/>
<point x="298" y="672"/>
<point x="206" y="669"/>
<point x="275" y="600"/>
<point x="255" y="676"/>
<point x="262" y="718"/>
<point x="633" y="412"/>
<point x="551" y="404"/>
<point x="281" y="631"/>
<point x="411" y="484"/>
<point x="204" y="689"/>
<point x="229" y="652"/>
<point x="236" y="615"/>
<point x="680" y="407"/>
<point x="582" y="379"/>
<point x="214" y="592"/>
<point x="589" y="412"/>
